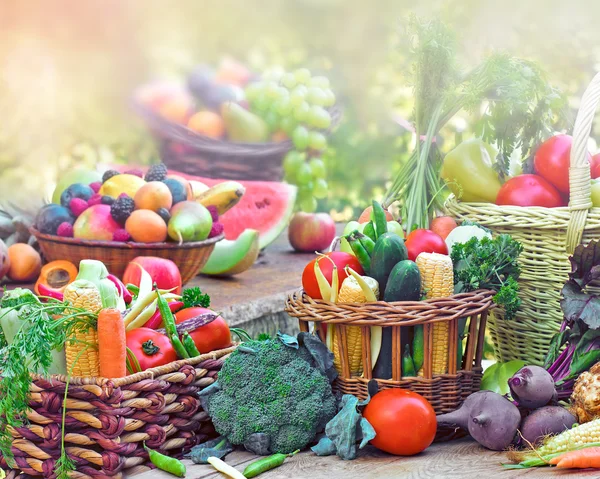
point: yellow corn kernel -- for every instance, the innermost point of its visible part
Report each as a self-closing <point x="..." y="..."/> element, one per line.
<point x="437" y="281"/>
<point x="573" y="438"/>
<point x="82" y="351"/>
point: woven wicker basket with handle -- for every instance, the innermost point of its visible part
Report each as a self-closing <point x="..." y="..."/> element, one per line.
<point x="549" y="236"/>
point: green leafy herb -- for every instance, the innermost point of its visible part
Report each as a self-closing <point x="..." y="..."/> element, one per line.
<point x="193" y="297"/>
<point x="489" y="264"/>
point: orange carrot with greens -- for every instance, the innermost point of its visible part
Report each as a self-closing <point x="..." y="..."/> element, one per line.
<point x="112" y="349"/>
<point x="579" y="459"/>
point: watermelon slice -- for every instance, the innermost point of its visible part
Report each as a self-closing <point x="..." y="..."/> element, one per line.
<point x="267" y="207"/>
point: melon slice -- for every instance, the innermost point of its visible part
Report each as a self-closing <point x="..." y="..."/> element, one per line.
<point x="231" y="257"/>
<point x="267" y="207"/>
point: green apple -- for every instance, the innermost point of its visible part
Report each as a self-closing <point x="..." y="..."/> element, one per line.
<point x="350" y="227"/>
<point x="395" y="227"/>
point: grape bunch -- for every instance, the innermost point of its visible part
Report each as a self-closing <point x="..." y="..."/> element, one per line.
<point x="295" y="104"/>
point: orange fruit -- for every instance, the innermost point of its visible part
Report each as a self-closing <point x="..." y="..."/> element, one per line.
<point x="279" y="137"/>
<point x="207" y="123"/>
<point x="365" y="216"/>
<point x="152" y="196"/>
<point x="442" y="225"/>
<point x="25" y="263"/>
<point x="145" y="226"/>
<point x="177" y="109"/>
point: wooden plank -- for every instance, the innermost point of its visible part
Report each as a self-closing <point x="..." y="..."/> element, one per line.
<point x="456" y="459"/>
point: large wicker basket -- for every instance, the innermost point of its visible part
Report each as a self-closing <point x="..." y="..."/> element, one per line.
<point x="445" y="392"/>
<point x="549" y="236"/>
<point x="108" y="420"/>
<point x="194" y="154"/>
<point x="189" y="257"/>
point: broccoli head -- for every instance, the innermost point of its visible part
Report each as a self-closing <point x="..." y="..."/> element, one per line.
<point x="275" y="391"/>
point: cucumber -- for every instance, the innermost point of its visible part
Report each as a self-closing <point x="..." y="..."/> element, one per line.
<point x="404" y="282"/>
<point x="389" y="250"/>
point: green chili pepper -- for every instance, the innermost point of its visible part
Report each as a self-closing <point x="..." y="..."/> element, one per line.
<point x="367" y="242"/>
<point x="418" y="347"/>
<point x="266" y="464"/>
<point x="408" y="366"/>
<point x="379" y="219"/>
<point x="169" y="322"/>
<point x="369" y="230"/>
<point x="360" y="252"/>
<point x="166" y="463"/>
<point x="189" y="345"/>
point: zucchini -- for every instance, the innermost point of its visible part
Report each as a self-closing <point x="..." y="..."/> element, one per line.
<point x="404" y="282"/>
<point x="389" y="250"/>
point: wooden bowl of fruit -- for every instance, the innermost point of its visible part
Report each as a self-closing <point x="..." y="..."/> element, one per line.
<point x="126" y="215"/>
<point x="230" y="124"/>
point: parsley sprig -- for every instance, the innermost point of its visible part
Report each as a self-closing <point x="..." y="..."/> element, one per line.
<point x="489" y="264"/>
<point x="193" y="297"/>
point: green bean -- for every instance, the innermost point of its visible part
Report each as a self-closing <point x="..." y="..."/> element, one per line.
<point x="369" y="230"/>
<point x="367" y="242"/>
<point x="170" y="328"/>
<point x="266" y="464"/>
<point x="379" y="218"/>
<point x="360" y="252"/>
<point x="408" y="367"/>
<point x="166" y="463"/>
<point x="189" y="345"/>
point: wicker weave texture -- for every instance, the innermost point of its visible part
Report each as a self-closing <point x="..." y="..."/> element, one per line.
<point x="190" y="258"/>
<point x="447" y="391"/>
<point x="108" y="421"/>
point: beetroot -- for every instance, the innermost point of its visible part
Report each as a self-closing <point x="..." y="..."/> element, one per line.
<point x="546" y="421"/>
<point x="532" y="387"/>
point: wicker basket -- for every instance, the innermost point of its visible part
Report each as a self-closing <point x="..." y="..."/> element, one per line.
<point x="189" y="257"/>
<point x="549" y="236"/>
<point x="108" y="420"/>
<point x="194" y="154"/>
<point x="445" y="392"/>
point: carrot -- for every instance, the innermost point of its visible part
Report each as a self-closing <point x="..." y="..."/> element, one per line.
<point x="579" y="459"/>
<point x="112" y="348"/>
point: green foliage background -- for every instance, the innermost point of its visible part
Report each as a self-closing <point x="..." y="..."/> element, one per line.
<point x="67" y="69"/>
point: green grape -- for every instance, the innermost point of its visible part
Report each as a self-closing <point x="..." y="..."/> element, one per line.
<point x="283" y="106"/>
<point x="253" y="90"/>
<point x="320" y="188"/>
<point x="319" y="117"/>
<point x="302" y="75"/>
<point x="317" y="167"/>
<point x="307" y="202"/>
<point x="302" y="112"/>
<point x="319" y="82"/>
<point x="261" y="103"/>
<point x="272" y="91"/>
<point x="272" y="120"/>
<point x="304" y="174"/>
<point x="298" y="95"/>
<point x="300" y="137"/>
<point x="292" y="162"/>
<point x="317" y="141"/>
<point x="288" y="125"/>
<point x="329" y="98"/>
<point x="316" y="96"/>
<point x="289" y="81"/>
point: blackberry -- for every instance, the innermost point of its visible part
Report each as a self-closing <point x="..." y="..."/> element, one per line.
<point x="107" y="200"/>
<point x="156" y="173"/>
<point x="121" y="209"/>
<point x="108" y="175"/>
<point x="164" y="214"/>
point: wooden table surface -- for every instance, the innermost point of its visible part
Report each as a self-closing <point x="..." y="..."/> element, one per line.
<point x="462" y="458"/>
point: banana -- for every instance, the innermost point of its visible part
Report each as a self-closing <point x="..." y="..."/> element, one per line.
<point x="198" y="188"/>
<point x="223" y="196"/>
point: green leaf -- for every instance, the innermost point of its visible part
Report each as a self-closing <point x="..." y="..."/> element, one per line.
<point x="495" y="378"/>
<point x="583" y="362"/>
<point x="578" y="305"/>
<point x="556" y="344"/>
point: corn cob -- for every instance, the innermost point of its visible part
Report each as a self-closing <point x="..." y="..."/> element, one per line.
<point x="351" y="292"/>
<point x="82" y="351"/>
<point x="437" y="279"/>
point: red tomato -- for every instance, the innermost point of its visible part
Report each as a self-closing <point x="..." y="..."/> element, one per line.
<point x="151" y="348"/>
<point x="552" y="159"/>
<point x="210" y="337"/>
<point x="595" y="166"/>
<point x="529" y="190"/>
<point x="404" y="422"/>
<point x="341" y="260"/>
<point x="424" y="241"/>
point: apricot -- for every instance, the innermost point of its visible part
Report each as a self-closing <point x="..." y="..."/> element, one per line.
<point x="25" y="263"/>
<point x="442" y="225"/>
<point x="146" y="226"/>
<point x="177" y="109"/>
<point x="207" y="123"/>
<point x="153" y="196"/>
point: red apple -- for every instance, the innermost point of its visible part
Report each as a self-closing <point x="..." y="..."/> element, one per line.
<point x="310" y="232"/>
<point x="163" y="272"/>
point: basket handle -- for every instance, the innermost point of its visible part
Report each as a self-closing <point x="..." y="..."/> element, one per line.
<point x="579" y="171"/>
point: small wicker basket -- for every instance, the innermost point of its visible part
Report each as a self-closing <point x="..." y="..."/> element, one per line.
<point x="109" y="420"/>
<point x="190" y="258"/>
<point x="445" y="392"/>
<point x="549" y="236"/>
<point x="194" y="154"/>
